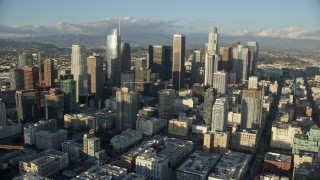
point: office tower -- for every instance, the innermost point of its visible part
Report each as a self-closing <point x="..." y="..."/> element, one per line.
<point x="240" y="63"/>
<point x="178" y="68"/>
<point x="3" y="113"/>
<point x="160" y="60"/>
<point x="253" y="48"/>
<point x="112" y="58"/>
<point x="212" y="45"/>
<point x="128" y="103"/>
<point x="79" y="70"/>
<point x="125" y="57"/>
<point x="126" y="79"/>
<point x="54" y="101"/>
<point x="95" y="75"/>
<point x="253" y="82"/>
<point x="48" y="73"/>
<point x="211" y="56"/>
<point x="210" y="97"/>
<point x="91" y="148"/>
<point x="220" y="82"/>
<point x="142" y="77"/>
<point x="251" y="109"/>
<point x="166" y="103"/>
<point x="16" y="79"/>
<point x="27" y="102"/>
<point x="232" y="77"/>
<point x="51" y="139"/>
<point x="220" y="115"/>
<point x="225" y="62"/>
<point x="210" y="66"/>
<point x="25" y="59"/>
<point x="68" y="87"/>
<point x="196" y="64"/>
<point x="40" y="62"/>
<point x="30" y="77"/>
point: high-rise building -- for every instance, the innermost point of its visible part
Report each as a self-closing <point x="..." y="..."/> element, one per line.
<point x="68" y="87"/>
<point x="251" y="109"/>
<point x="3" y="113"/>
<point x="16" y="79"/>
<point x="240" y="64"/>
<point x="178" y="68"/>
<point x="196" y="64"/>
<point x="253" y="82"/>
<point x="211" y="67"/>
<point x="142" y="77"/>
<point x="79" y="70"/>
<point x="220" y="115"/>
<point x="25" y="59"/>
<point x="51" y="139"/>
<point x="210" y="97"/>
<point x="160" y="60"/>
<point x="54" y="101"/>
<point x="127" y="109"/>
<point x="30" y="77"/>
<point x="125" y="57"/>
<point x="220" y="82"/>
<point x="166" y="103"/>
<point x="95" y="75"/>
<point x="225" y="62"/>
<point x="198" y="91"/>
<point x="212" y="45"/>
<point x="27" y="102"/>
<point x="40" y="62"/>
<point x="253" y="48"/>
<point x="112" y="57"/>
<point x="91" y="148"/>
<point x="48" y="76"/>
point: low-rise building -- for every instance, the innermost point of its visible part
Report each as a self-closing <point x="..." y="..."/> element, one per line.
<point x="30" y="130"/>
<point x="197" y="166"/>
<point x="217" y="142"/>
<point x="282" y="135"/>
<point x="150" y="125"/>
<point x="125" y="140"/>
<point x="50" y="139"/>
<point x="179" y="127"/>
<point x="74" y="150"/>
<point x="31" y="176"/>
<point x="199" y="129"/>
<point x="308" y="142"/>
<point x="91" y="148"/>
<point x="134" y="176"/>
<point x="74" y="121"/>
<point x="245" y="141"/>
<point x="277" y="164"/>
<point x="106" y="171"/>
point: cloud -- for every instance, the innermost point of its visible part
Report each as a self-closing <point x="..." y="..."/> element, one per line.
<point x="288" y="32"/>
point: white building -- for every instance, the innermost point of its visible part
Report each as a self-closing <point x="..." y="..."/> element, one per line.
<point x="74" y="121"/>
<point x="199" y="129"/>
<point x="30" y="130"/>
<point x="150" y="125"/>
<point x="282" y="135"/>
<point x="106" y="171"/>
<point x="220" y="82"/>
<point x="125" y="140"/>
<point x="51" y="140"/>
<point x="253" y="82"/>
<point x="220" y="115"/>
<point x="91" y="148"/>
<point x="198" y="166"/>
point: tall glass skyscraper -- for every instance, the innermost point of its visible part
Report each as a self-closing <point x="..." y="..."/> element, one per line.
<point x="178" y="68"/>
<point x="211" y="56"/>
<point x="113" y="48"/>
<point x="253" y="48"/>
<point x="79" y="69"/>
<point x="240" y="57"/>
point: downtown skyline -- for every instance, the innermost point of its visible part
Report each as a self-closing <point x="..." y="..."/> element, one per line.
<point x="250" y="18"/>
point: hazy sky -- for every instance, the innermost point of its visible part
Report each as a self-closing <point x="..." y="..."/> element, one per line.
<point x="188" y="16"/>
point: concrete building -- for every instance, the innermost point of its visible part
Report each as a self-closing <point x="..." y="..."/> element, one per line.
<point x="212" y="45"/>
<point x="27" y="103"/>
<point x="210" y="97"/>
<point x="128" y="104"/>
<point x="216" y="141"/>
<point x="29" y="77"/>
<point x="225" y="62"/>
<point x="50" y="140"/>
<point x="31" y="176"/>
<point x="125" y="140"/>
<point x="282" y="135"/>
<point x="106" y="171"/>
<point x="220" y="115"/>
<point x="79" y="69"/>
<point x="113" y="49"/>
<point x="142" y="78"/>
<point x="178" y="68"/>
<point x="54" y="102"/>
<point x="95" y="75"/>
<point x="134" y="176"/>
<point x="46" y="163"/>
<point x="150" y="125"/>
<point x="180" y="127"/>
<point x="198" y="166"/>
<point x="240" y="57"/>
<point x="30" y="130"/>
<point x="48" y="73"/>
<point x="251" y="109"/>
<point x="277" y="164"/>
<point x="3" y="113"/>
<point x="245" y="141"/>
<point x="73" y="149"/>
<point x="91" y="148"/>
<point x="69" y="88"/>
<point x="307" y="142"/>
<point x="16" y="79"/>
<point x="166" y="103"/>
<point x="75" y="121"/>
<point x="160" y="60"/>
<point x="220" y="82"/>
<point x="232" y="165"/>
<point x="12" y="129"/>
<point x="210" y="68"/>
<point x="253" y="82"/>
<point x="25" y="59"/>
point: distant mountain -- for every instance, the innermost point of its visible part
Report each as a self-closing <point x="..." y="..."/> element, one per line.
<point x="193" y="41"/>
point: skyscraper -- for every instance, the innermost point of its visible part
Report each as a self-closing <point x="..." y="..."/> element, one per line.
<point x="225" y="62"/>
<point x="220" y="81"/>
<point x="142" y="77"/>
<point x="178" y="68"/>
<point x="25" y="59"/>
<point x="212" y="45"/>
<point x="211" y="56"/>
<point x="253" y="48"/>
<point x="79" y="70"/>
<point x="210" y="68"/>
<point x="196" y="64"/>
<point x="210" y="97"/>
<point x="16" y="79"/>
<point x="30" y="77"/>
<point x="166" y="103"/>
<point x="240" y="63"/>
<point x="112" y="58"/>
<point x="91" y="148"/>
<point x="3" y="114"/>
<point x="69" y="88"/>
<point x="128" y="103"/>
<point x="125" y="57"/>
<point x="251" y="109"/>
<point x="160" y="60"/>
<point x="54" y="101"/>
<point x="95" y="75"/>
<point x="48" y="75"/>
<point x="27" y="102"/>
<point x="220" y="115"/>
<point x="40" y="61"/>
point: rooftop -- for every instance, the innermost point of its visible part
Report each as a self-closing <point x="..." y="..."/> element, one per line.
<point x="278" y="157"/>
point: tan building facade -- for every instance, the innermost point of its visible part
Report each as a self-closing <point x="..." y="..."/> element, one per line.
<point x="244" y="141"/>
<point x="217" y="142"/>
<point x="179" y="127"/>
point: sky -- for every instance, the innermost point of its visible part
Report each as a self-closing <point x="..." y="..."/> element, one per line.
<point x="288" y="18"/>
